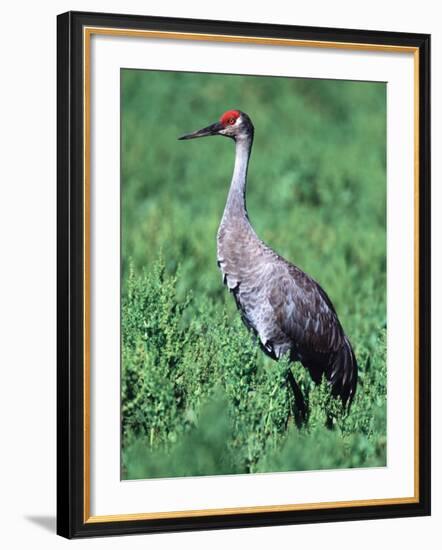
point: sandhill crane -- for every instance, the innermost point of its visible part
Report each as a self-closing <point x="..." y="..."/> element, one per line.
<point x="284" y="307"/>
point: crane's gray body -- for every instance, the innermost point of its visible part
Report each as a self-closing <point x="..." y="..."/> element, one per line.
<point x="287" y="310"/>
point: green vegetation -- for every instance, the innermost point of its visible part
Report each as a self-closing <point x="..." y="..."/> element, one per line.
<point x="198" y="395"/>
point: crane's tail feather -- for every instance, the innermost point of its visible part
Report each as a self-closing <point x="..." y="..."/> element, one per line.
<point x="343" y="373"/>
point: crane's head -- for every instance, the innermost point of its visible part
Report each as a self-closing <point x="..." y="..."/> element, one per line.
<point x="233" y="124"/>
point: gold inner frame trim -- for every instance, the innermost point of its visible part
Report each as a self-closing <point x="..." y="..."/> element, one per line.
<point x="87" y="34"/>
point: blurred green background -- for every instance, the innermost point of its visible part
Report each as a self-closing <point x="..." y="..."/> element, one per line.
<point x="198" y="396"/>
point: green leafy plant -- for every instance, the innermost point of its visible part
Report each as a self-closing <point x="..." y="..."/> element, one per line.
<point x="200" y="398"/>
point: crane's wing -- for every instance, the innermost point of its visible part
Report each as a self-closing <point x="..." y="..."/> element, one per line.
<point x="305" y="313"/>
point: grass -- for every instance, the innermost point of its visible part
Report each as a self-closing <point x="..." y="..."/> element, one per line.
<point x="198" y="396"/>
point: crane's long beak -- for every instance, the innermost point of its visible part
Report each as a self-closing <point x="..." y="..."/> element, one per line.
<point x="211" y="130"/>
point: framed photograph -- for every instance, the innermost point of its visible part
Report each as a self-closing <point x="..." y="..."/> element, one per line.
<point x="233" y="356"/>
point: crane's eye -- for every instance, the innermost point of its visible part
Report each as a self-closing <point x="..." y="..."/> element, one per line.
<point x="231" y="121"/>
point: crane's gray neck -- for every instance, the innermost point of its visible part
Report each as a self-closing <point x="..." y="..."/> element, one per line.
<point x="236" y="200"/>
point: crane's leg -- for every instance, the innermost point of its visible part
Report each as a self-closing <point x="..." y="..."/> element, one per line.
<point x="300" y="412"/>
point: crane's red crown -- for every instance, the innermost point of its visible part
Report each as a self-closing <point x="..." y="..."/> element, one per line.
<point x="229" y="118"/>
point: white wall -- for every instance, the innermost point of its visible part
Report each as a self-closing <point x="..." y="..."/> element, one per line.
<point x="27" y="299"/>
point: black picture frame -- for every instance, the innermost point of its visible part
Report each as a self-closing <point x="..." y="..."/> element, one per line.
<point x="71" y="519"/>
